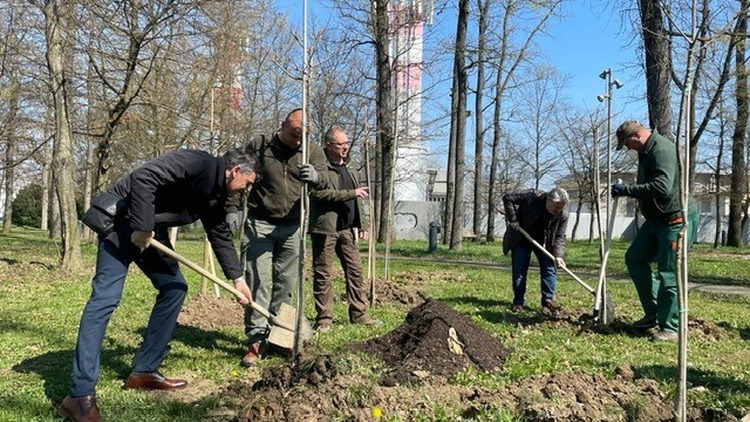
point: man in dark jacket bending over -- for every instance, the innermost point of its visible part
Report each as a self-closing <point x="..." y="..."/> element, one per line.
<point x="544" y="217"/>
<point x="174" y="189"/>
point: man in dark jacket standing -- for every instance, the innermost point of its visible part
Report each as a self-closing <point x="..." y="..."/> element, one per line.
<point x="174" y="189"/>
<point x="334" y="216"/>
<point x="272" y="230"/>
<point x="544" y="217"/>
<point x="657" y="189"/>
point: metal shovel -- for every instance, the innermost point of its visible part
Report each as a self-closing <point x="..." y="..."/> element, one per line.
<point x="609" y="305"/>
<point x="282" y="325"/>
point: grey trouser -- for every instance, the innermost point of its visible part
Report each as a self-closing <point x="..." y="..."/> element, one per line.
<point x="272" y="271"/>
<point x="343" y="245"/>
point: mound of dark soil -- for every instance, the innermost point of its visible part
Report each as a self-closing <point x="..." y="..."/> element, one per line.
<point x="435" y="340"/>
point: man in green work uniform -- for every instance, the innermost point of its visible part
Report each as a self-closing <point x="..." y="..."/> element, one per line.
<point x="657" y="190"/>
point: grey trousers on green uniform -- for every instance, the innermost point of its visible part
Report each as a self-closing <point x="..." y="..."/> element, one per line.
<point x="325" y="247"/>
<point x="272" y="272"/>
<point x="657" y="290"/>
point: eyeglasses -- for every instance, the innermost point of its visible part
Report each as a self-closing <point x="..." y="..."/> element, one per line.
<point x="339" y="144"/>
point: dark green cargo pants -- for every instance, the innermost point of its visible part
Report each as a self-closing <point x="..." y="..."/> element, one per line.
<point x="657" y="290"/>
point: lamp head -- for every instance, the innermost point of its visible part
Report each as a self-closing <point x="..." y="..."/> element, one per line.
<point x="618" y="84"/>
<point x="601" y="98"/>
<point x="604" y="74"/>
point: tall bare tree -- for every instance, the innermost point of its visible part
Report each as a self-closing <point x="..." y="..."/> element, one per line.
<point x="57" y="16"/>
<point x="658" y="66"/>
<point x="385" y="116"/>
<point x="508" y="59"/>
<point x="480" y="205"/>
<point x="459" y="114"/>
<point x="737" y="196"/>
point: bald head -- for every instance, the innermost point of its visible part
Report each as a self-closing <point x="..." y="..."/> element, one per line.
<point x="337" y="145"/>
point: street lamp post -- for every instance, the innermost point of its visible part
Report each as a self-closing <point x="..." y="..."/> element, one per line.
<point x="601" y="298"/>
<point x="607" y="76"/>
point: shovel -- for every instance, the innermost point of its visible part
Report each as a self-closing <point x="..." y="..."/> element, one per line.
<point x="608" y="300"/>
<point x="601" y="289"/>
<point x="282" y="325"/>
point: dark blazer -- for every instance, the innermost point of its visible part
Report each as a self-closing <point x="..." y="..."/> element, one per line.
<point x="525" y="208"/>
<point x="175" y="189"/>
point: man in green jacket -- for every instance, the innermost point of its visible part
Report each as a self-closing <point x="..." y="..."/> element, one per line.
<point x="657" y="190"/>
<point x="334" y="216"/>
<point x="272" y="229"/>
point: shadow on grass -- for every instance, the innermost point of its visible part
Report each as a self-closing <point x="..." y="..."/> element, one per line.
<point x="196" y="337"/>
<point x="696" y="377"/>
<point x="55" y="368"/>
<point x="489" y="312"/>
<point x="743" y="332"/>
<point x="721" y="281"/>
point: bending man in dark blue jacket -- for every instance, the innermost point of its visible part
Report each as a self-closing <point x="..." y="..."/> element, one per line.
<point x="174" y="189"/>
<point x="543" y="215"/>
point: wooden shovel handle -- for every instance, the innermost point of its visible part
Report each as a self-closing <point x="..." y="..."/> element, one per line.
<point x="552" y="257"/>
<point x="200" y="270"/>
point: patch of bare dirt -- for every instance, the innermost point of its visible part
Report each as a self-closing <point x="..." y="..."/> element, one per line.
<point x="705" y="330"/>
<point x="435" y="340"/>
<point x="549" y="398"/>
<point x="391" y="293"/>
<point x="210" y="312"/>
<point x="432" y="345"/>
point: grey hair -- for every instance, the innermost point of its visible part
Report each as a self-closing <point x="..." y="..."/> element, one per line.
<point x="330" y="133"/>
<point x="558" y="195"/>
<point x="247" y="160"/>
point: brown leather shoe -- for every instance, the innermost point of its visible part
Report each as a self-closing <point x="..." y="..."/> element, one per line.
<point x="80" y="409"/>
<point x="153" y="381"/>
<point x="252" y="356"/>
<point x="552" y="306"/>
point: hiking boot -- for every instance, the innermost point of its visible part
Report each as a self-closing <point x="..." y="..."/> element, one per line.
<point x="648" y="321"/>
<point x="367" y="320"/>
<point x="665" y="336"/>
<point x="252" y="356"/>
<point x="552" y="306"/>
<point x="517" y="308"/>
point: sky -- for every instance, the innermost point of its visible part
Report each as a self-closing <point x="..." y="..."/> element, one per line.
<point x="592" y="37"/>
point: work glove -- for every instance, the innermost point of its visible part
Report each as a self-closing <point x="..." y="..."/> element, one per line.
<point x="307" y="173"/>
<point x="141" y="238"/>
<point x="514" y="225"/>
<point x="618" y="189"/>
<point x="234" y="219"/>
<point x="560" y="263"/>
<point x="241" y="285"/>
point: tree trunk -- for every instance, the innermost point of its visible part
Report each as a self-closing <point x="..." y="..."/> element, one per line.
<point x="658" y="67"/>
<point x="385" y="107"/>
<point x="460" y="74"/>
<point x="11" y="124"/>
<point x="482" y="8"/>
<point x="450" y="174"/>
<point x="737" y="190"/>
<point x="56" y="31"/>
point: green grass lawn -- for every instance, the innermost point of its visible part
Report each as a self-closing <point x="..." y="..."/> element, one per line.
<point x="40" y="309"/>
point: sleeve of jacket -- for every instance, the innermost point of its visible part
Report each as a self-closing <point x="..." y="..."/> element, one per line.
<point x="558" y="248"/>
<point x="511" y="202"/>
<point x="220" y="237"/>
<point x="170" y="168"/>
<point x="328" y="179"/>
<point x="663" y="170"/>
